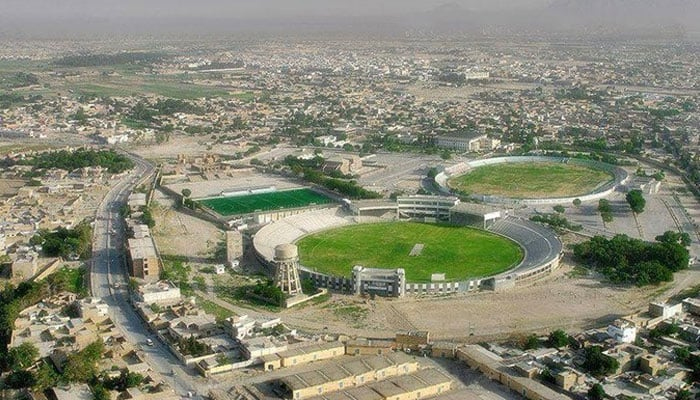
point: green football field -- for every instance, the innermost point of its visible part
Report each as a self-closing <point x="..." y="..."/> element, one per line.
<point x="265" y="201"/>
<point x="534" y="180"/>
<point x="458" y="252"/>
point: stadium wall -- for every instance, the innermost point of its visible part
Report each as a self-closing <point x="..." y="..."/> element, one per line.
<point x="620" y="177"/>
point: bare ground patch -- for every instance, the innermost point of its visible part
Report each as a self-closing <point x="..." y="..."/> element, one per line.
<point x="566" y="300"/>
<point x="178" y="233"/>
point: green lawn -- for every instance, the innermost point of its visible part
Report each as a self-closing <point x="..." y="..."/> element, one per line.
<point x="214" y="309"/>
<point x="458" y="252"/>
<point x="70" y="279"/>
<point x="531" y="180"/>
<point x="265" y="201"/>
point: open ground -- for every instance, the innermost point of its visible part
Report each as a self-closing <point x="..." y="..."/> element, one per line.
<point x="564" y="300"/>
<point x="458" y="252"/>
<point x="181" y="234"/>
<point x="531" y="180"/>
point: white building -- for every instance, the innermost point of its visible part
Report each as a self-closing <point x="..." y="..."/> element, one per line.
<point x="220" y="269"/>
<point x="161" y="292"/>
<point x="467" y="142"/>
<point x="665" y="311"/>
<point x="622" y="331"/>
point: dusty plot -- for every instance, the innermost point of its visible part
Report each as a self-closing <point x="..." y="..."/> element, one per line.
<point x="558" y="302"/>
<point x="177" y="233"/>
<point x="243" y="180"/>
<point x="396" y="172"/>
<point x="10" y="187"/>
<point x="188" y="145"/>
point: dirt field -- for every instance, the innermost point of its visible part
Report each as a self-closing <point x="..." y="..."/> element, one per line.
<point x="561" y="301"/>
<point x="181" y="234"/>
<point x="176" y="145"/>
<point x="10" y="187"/>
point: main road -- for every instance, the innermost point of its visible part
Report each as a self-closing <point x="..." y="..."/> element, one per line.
<point x="109" y="281"/>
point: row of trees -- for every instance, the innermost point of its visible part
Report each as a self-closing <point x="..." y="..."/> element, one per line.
<point x="9" y="100"/>
<point x="556" y="221"/>
<point x="98" y="60"/>
<point x="18" y="80"/>
<point x="310" y="170"/>
<point x="81" y="158"/>
<point x="626" y="260"/>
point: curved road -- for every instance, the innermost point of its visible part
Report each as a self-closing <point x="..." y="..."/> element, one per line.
<point x="109" y="280"/>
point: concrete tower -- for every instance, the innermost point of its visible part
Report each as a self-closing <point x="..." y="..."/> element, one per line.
<point x="287" y="269"/>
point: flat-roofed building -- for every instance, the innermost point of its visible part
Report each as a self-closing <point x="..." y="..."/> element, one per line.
<point x="472" y="142"/>
<point x="161" y="292"/>
<point x="143" y="258"/>
<point x="426" y="206"/>
<point x="366" y="347"/>
<point x="311" y="353"/>
<point x="340" y="376"/>
<point x="136" y="201"/>
<point x="379" y="281"/>
<point x="471" y="214"/>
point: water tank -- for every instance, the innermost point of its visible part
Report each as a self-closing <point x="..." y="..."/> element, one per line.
<point x="286" y="251"/>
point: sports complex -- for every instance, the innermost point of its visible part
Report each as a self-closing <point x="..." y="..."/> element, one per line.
<point x="531" y="180"/>
<point x="422" y="243"/>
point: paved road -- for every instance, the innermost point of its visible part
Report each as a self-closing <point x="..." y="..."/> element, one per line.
<point x="109" y="280"/>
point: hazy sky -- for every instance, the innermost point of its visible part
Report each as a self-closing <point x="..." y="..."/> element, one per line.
<point x="54" y="18"/>
<point x="239" y="8"/>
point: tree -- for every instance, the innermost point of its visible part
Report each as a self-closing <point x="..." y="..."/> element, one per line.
<point x="76" y="369"/>
<point x="558" y="339"/>
<point x="626" y="260"/>
<point x="684" y="395"/>
<point x="605" y="210"/>
<point x="99" y="392"/>
<point x="559" y="208"/>
<point x="577" y="202"/>
<point x="124" y="381"/>
<point x="46" y="377"/>
<point x="23" y="356"/>
<point x="531" y="342"/>
<point x="308" y="287"/>
<point x="596" y="392"/>
<point x="81" y="366"/>
<point x="186" y="193"/>
<point x="674" y="237"/>
<point x="598" y="363"/>
<point x="636" y="200"/>
<point x="20" y="379"/>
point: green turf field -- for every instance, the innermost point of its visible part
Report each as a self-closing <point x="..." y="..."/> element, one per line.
<point x="456" y="251"/>
<point x="265" y="201"/>
<point x="534" y="180"/>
